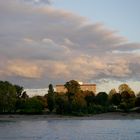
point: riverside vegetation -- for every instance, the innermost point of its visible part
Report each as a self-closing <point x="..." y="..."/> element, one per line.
<point x="14" y="100"/>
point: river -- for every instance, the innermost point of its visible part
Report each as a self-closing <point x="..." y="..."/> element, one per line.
<point x="70" y="129"/>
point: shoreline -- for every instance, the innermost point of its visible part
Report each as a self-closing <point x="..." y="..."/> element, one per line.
<point x="103" y="116"/>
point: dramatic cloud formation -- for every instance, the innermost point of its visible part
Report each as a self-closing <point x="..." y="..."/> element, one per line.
<point x="43" y="44"/>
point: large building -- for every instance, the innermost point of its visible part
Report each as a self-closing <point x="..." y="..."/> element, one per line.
<point x="84" y="87"/>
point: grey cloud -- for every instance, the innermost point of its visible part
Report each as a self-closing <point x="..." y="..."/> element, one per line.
<point x="38" y="1"/>
<point x="129" y="46"/>
<point x="64" y="45"/>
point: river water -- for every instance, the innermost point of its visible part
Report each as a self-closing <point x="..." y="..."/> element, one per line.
<point x="70" y="130"/>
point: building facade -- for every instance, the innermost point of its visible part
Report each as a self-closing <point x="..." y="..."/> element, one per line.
<point x="84" y="87"/>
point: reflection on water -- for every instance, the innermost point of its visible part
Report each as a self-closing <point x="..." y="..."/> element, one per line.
<point x="70" y="130"/>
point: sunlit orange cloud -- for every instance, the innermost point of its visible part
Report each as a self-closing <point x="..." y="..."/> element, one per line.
<point x="24" y="69"/>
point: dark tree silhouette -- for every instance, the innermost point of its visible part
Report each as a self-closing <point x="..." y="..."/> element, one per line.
<point x="51" y="98"/>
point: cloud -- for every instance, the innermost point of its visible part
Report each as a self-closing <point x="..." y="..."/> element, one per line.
<point x="38" y="1"/>
<point x="22" y="69"/>
<point x="108" y="84"/>
<point x="44" y="44"/>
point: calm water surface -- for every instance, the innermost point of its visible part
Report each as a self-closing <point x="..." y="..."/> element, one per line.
<point x="70" y="130"/>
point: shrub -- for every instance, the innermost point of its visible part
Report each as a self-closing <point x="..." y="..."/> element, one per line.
<point x="32" y="106"/>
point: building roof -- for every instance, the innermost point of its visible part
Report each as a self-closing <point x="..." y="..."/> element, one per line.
<point x="82" y="85"/>
<point x="88" y="85"/>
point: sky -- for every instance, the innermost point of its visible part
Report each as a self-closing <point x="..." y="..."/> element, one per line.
<point x="54" y="41"/>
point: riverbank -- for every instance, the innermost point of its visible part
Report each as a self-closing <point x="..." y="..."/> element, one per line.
<point x="104" y="116"/>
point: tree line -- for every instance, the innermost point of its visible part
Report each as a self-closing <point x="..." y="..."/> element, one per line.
<point x="13" y="99"/>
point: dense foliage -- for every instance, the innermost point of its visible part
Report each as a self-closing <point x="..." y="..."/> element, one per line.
<point x="13" y="99"/>
<point x="51" y="98"/>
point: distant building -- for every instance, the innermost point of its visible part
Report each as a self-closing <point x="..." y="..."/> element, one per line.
<point x="84" y="87"/>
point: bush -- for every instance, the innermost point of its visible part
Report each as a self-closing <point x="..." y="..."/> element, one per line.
<point x="79" y="103"/>
<point x="112" y="108"/>
<point x="32" y="106"/>
<point x="91" y="109"/>
<point x="95" y="109"/>
<point x="137" y="102"/>
<point x="61" y="104"/>
<point x="124" y="106"/>
<point x="102" y="99"/>
<point x="115" y="99"/>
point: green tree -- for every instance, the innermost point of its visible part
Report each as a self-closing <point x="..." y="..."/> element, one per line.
<point x="111" y="93"/>
<point x="61" y="104"/>
<point x="137" y="102"/>
<point x="115" y="99"/>
<point x="127" y="100"/>
<point x="102" y="98"/>
<point x="24" y="95"/>
<point x="51" y="98"/>
<point x="7" y="97"/>
<point x="125" y="96"/>
<point x="32" y="106"/>
<point x="89" y="97"/>
<point x="79" y="103"/>
<point x="125" y="87"/>
<point x="138" y="94"/>
<point x="73" y="88"/>
<point x="43" y="100"/>
<point x="19" y="90"/>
